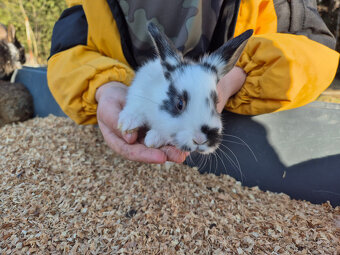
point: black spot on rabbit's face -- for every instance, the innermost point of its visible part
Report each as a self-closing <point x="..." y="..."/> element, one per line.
<point x="176" y="102"/>
<point x="213" y="135"/>
<point x="207" y="102"/>
<point x="214" y="98"/>
<point x="179" y="66"/>
<point x="167" y="75"/>
<point x="168" y="66"/>
<point x="186" y="148"/>
<point x="209" y="67"/>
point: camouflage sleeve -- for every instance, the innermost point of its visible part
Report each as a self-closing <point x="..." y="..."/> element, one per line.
<point x="301" y="17"/>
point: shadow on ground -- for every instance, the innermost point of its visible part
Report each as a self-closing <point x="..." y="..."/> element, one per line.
<point x="296" y="152"/>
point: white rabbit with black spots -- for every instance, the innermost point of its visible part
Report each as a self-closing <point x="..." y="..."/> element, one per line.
<point x="176" y="98"/>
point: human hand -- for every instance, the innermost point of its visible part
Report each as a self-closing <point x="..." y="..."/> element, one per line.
<point x="111" y="100"/>
<point x="229" y="85"/>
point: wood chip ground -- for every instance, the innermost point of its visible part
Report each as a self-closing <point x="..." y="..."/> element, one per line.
<point x="62" y="191"/>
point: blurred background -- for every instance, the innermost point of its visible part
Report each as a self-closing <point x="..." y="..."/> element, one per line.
<point x="34" y="21"/>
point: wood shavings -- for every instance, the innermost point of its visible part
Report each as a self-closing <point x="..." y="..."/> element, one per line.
<point x="62" y="190"/>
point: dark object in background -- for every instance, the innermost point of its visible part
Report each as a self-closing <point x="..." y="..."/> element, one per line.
<point x="35" y="80"/>
<point x="12" y="53"/>
<point x="16" y="103"/>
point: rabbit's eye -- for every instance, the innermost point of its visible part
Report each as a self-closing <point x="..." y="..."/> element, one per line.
<point x="180" y="104"/>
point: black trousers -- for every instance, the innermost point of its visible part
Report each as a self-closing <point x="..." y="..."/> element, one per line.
<point x="296" y="152"/>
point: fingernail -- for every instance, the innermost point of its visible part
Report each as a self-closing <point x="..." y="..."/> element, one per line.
<point x="128" y="137"/>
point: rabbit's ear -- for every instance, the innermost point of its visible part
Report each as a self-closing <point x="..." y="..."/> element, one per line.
<point x="3" y="32"/>
<point x="225" y="57"/>
<point x="11" y="33"/>
<point x="164" y="47"/>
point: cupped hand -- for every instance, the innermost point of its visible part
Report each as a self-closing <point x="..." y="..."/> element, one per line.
<point x="111" y="99"/>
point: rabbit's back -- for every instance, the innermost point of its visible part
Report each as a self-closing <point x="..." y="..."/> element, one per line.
<point x="16" y="103"/>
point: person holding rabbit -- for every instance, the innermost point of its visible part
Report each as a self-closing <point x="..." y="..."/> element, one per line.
<point x="97" y="47"/>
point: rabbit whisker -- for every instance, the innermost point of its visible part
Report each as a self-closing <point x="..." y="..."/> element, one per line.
<point x="206" y="160"/>
<point x="212" y="162"/>
<point x="190" y="158"/>
<point x="216" y="163"/>
<point x="231" y="141"/>
<point x="145" y="98"/>
<point x="201" y="159"/>
<point x="225" y="168"/>
<point x="237" y="164"/>
<point x="209" y="163"/>
<point x="246" y="144"/>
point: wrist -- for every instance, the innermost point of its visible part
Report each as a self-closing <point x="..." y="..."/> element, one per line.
<point x="233" y="81"/>
<point x="107" y="87"/>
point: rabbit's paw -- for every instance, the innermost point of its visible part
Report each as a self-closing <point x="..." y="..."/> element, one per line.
<point x="153" y="139"/>
<point x="129" y="123"/>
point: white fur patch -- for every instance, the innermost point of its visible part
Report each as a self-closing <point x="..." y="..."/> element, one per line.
<point x="14" y="52"/>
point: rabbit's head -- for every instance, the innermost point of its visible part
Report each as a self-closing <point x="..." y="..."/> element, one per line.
<point x="190" y="95"/>
<point x="12" y="53"/>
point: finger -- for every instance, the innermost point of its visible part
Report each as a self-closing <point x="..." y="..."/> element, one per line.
<point x="139" y="152"/>
<point x="130" y="137"/>
<point x="221" y="101"/>
<point x="109" y="115"/>
<point x="173" y="154"/>
<point x="135" y="152"/>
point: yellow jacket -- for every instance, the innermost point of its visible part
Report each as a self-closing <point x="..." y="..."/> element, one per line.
<point x="284" y="70"/>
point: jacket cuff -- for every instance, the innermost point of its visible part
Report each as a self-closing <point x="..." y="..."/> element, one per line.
<point x="74" y="84"/>
<point x="283" y="72"/>
<point x="104" y="73"/>
<point x="264" y="65"/>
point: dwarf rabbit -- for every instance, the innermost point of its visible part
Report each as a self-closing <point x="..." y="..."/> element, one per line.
<point x="176" y="97"/>
<point x="16" y="103"/>
<point x="12" y="53"/>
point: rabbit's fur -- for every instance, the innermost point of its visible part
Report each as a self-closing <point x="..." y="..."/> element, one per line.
<point x="12" y="53"/>
<point x="176" y="97"/>
<point x="16" y="103"/>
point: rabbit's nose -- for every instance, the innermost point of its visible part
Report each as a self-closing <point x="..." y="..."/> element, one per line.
<point x="199" y="140"/>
